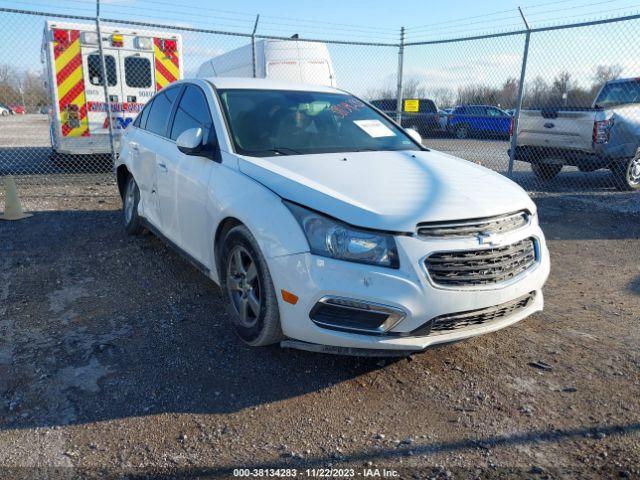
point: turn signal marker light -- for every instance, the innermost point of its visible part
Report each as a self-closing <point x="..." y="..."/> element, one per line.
<point x="289" y="297"/>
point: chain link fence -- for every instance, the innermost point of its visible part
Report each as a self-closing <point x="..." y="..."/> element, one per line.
<point x="555" y="109"/>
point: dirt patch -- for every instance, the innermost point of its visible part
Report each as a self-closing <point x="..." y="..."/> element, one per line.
<point x="116" y="356"/>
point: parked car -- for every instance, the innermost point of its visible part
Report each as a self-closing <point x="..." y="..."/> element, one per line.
<point x="420" y="114"/>
<point x="328" y="227"/>
<point x="5" y="110"/>
<point x="18" y="109"/>
<point x="607" y="135"/>
<point x="479" y="120"/>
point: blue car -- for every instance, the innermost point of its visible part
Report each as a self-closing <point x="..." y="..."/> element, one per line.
<point x="479" y="120"/>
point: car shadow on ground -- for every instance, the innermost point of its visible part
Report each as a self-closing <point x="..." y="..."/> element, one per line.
<point x="101" y="326"/>
<point x="380" y="457"/>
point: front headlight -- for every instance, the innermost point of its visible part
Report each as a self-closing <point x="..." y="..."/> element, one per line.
<point x="331" y="238"/>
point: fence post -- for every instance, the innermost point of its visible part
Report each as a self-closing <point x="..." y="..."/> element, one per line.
<point x="400" y="66"/>
<point x="254" y="58"/>
<point x="105" y="83"/>
<point x="516" y="114"/>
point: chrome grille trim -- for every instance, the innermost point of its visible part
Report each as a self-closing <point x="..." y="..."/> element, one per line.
<point x="444" y="324"/>
<point x="481" y="267"/>
<point x="469" y="228"/>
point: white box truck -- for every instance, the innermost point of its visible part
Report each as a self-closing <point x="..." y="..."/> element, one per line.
<point x="138" y="64"/>
<point x="293" y="60"/>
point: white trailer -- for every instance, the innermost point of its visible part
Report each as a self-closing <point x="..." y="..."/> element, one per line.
<point x="138" y="64"/>
<point x="297" y="61"/>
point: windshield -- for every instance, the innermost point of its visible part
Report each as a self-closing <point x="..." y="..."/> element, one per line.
<point x="275" y="122"/>
<point x="618" y="93"/>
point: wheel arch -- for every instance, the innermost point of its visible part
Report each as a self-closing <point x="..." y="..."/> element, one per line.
<point x="122" y="173"/>
<point x="224" y="226"/>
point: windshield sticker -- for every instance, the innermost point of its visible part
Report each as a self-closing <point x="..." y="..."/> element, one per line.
<point x="346" y="108"/>
<point x="375" y="128"/>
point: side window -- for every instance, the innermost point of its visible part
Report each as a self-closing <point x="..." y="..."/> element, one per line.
<point x="137" y="72"/>
<point x="160" y="111"/>
<point x="95" y="69"/>
<point x="192" y="112"/>
<point x="141" y="119"/>
<point x="428" y="106"/>
<point x="494" y="112"/>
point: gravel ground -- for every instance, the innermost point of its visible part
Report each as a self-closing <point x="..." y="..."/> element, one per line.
<point x="116" y="358"/>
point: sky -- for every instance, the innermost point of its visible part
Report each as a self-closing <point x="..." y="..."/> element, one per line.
<point x="364" y="68"/>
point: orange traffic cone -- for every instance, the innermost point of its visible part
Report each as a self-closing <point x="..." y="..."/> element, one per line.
<point x="12" y="205"/>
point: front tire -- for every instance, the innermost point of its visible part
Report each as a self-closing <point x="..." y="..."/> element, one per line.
<point x="250" y="293"/>
<point x="546" y="171"/>
<point x="130" y="200"/>
<point x="626" y="176"/>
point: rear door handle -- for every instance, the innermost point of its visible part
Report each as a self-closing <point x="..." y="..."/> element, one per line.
<point x="134" y="147"/>
<point x="162" y="167"/>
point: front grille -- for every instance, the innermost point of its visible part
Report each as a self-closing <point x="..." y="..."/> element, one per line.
<point x="469" y="228"/>
<point x="481" y="267"/>
<point x="473" y="318"/>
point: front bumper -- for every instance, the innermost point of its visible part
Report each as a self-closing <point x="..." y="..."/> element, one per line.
<point x="409" y="288"/>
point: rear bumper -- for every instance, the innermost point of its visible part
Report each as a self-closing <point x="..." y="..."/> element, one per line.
<point x="602" y="158"/>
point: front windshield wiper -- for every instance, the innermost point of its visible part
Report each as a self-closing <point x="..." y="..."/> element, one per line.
<point x="284" y="151"/>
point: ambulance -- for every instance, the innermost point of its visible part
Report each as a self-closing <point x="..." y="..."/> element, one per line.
<point x="138" y="64"/>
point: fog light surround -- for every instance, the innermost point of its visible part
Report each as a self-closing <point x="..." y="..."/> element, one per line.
<point x="359" y="316"/>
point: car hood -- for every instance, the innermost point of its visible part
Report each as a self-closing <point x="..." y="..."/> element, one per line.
<point x="390" y="191"/>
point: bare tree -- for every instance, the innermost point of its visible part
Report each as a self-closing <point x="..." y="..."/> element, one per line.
<point x="604" y="74"/>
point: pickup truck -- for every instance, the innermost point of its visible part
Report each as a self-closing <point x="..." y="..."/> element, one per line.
<point x="420" y="114"/>
<point x="607" y="135"/>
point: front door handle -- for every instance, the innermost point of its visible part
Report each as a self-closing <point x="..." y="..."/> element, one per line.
<point x="162" y="167"/>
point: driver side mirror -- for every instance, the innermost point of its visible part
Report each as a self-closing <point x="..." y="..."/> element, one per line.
<point x="415" y="135"/>
<point x="192" y="142"/>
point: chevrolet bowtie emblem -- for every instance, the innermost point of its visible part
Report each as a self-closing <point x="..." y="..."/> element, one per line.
<point x="487" y="238"/>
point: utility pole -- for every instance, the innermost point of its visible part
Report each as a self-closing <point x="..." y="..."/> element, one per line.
<point x="516" y="115"/>
<point x="105" y="82"/>
<point x="253" y="46"/>
<point x="399" y="89"/>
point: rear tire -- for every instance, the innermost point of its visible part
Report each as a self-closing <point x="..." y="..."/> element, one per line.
<point x="546" y="171"/>
<point x="461" y="132"/>
<point x="130" y="200"/>
<point x="626" y="175"/>
<point x="250" y="293"/>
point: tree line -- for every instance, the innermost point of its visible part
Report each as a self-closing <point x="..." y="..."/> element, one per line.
<point x="562" y="91"/>
<point x="22" y="88"/>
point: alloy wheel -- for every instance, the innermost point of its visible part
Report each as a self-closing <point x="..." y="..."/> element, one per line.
<point x="243" y="286"/>
<point x="634" y="171"/>
<point x="129" y="200"/>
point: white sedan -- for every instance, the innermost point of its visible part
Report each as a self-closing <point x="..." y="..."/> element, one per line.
<point x="327" y="226"/>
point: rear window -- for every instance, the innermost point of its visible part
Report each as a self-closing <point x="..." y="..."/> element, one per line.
<point x="95" y="69"/>
<point x="385" y="105"/>
<point x="137" y="72"/>
<point x="161" y="110"/>
<point x="619" y="93"/>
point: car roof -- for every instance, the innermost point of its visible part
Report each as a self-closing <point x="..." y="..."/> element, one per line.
<point x="267" y="84"/>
